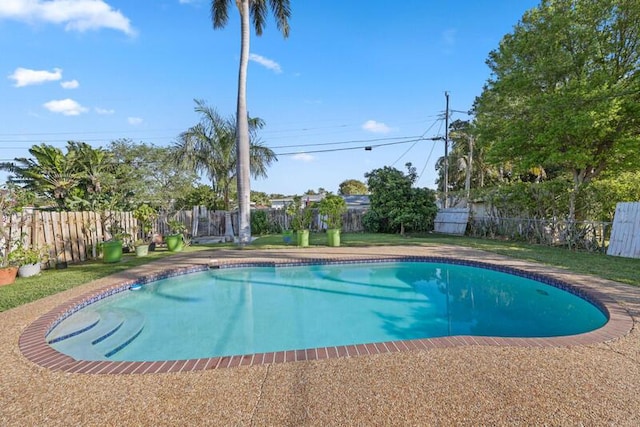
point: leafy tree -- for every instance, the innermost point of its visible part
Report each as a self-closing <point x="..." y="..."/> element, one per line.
<point x="260" y="198"/>
<point x="565" y="91"/>
<point x="395" y="205"/>
<point x="257" y="10"/>
<point x="600" y="197"/>
<point x="210" y="147"/>
<point x="201" y="195"/>
<point x="352" y="187"/>
<point x="145" y="173"/>
<point x="50" y="173"/>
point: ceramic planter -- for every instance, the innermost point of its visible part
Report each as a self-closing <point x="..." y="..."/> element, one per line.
<point x="287" y="236"/>
<point x="112" y="251"/>
<point x="174" y="242"/>
<point x="142" y="250"/>
<point x="333" y="237"/>
<point x="29" y="270"/>
<point x="302" y="238"/>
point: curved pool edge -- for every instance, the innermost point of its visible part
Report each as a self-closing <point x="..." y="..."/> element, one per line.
<point x="33" y="345"/>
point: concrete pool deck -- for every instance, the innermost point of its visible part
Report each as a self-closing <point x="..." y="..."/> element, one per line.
<point x="570" y="383"/>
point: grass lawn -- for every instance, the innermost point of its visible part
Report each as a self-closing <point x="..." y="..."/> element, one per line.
<point x="623" y="270"/>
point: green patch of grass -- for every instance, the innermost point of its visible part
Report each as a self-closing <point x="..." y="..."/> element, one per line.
<point x="623" y="270"/>
<point x="52" y="281"/>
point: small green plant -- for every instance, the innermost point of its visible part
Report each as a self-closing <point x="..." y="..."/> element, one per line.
<point x="176" y="227"/>
<point x="145" y="215"/>
<point x="259" y="222"/>
<point x="23" y="255"/>
<point x="301" y="215"/>
<point x="333" y="207"/>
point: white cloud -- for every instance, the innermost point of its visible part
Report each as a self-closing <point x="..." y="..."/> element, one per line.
<point x="266" y="62"/>
<point x="104" y="111"/>
<point x="27" y="77"/>
<point x="78" y="15"/>
<point x="70" y="84"/>
<point x="303" y="157"/>
<point x="134" y="120"/>
<point x="375" y="127"/>
<point x="68" y="107"/>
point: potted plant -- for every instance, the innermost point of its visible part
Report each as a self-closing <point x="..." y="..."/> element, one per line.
<point x="333" y="207"/>
<point x="145" y="215"/>
<point x="8" y="269"/>
<point x="175" y="241"/>
<point x="301" y="217"/>
<point x="112" y="248"/>
<point x="28" y="259"/>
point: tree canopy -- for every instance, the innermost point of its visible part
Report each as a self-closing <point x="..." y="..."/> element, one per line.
<point x="210" y="147"/>
<point x="564" y="91"/>
<point x="352" y="187"/>
<point x="396" y="206"/>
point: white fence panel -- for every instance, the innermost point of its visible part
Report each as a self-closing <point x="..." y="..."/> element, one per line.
<point x="452" y="221"/>
<point x="625" y="236"/>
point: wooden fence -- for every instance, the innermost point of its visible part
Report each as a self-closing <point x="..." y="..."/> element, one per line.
<point x="75" y="236"/>
<point x="202" y="222"/>
<point x="66" y="236"/>
<point x="625" y="237"/>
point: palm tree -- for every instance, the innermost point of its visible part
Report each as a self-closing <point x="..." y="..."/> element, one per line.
<point x="210" y="147"/>
<point x="49" y="173"/>
<point x="257" y="10"/>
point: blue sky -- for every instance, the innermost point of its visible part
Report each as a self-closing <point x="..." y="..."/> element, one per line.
<point x="351" y="74"/>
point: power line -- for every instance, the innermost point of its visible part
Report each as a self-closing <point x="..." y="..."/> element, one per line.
<point x="421" y="136"/>
<point x="352" y="148"/>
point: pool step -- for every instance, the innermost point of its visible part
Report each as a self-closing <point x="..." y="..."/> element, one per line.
<point x="87" y="339"/>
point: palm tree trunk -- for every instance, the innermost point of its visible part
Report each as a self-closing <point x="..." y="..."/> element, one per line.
<point x="243" y="167"/>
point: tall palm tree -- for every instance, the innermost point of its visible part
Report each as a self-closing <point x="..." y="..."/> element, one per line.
<point x="256" y="10"/>
<point x="210" y="147"/>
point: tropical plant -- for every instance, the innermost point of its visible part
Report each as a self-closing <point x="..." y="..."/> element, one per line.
<point x="301" y="214"/>
<point x="49" y="173"/>
<point x="333" y="207"/>
<point x="257" y="10"/>
<point x="24" y="255"/>
<point x="176" y="227"/>
<point x="210" y="147"/>
<point x="145" y="215"/>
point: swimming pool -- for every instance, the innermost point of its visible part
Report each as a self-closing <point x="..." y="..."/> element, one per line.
<point x="269" y="308"/>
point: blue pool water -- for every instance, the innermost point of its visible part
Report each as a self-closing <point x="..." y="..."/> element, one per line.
<point x="247" y="310"/>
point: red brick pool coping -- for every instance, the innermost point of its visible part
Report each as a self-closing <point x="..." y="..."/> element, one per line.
<point x="34" y="347"/>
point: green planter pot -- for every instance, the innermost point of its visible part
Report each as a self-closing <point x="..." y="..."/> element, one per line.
<point x="333" y="237"/>
<point x="112" y="251"/>
<point x="302" y="237"/>
<point x="174" y="242"/>
<point x="287" y="236"/>
<point x="142" y="250"/>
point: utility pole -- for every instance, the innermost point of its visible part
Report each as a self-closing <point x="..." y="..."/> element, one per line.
<point x="446" y="153"/>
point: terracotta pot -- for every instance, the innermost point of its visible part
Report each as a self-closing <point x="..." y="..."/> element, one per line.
<point x="8" y="275"/>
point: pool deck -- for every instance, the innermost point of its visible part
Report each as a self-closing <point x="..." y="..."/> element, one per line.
<point x="590" y="379"/>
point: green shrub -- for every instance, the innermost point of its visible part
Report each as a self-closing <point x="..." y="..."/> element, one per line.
<point x="259" y="223"/>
